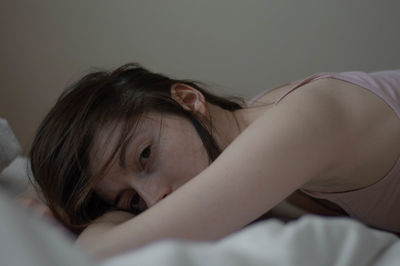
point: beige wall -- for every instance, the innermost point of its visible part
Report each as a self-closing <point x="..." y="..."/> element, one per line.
<point x="240" y="47"/>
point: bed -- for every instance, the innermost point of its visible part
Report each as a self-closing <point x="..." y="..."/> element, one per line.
<point x="27" y="239"/>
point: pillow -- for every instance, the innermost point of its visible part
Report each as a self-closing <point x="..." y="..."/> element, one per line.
<point x="15" y="177"/>
<point x="9" y="145"/>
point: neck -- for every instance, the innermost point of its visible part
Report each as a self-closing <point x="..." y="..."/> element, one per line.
<point x="229" y="125"/>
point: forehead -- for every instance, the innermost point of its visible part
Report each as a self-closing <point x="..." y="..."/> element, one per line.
<point x="107" y="139"/>
<point x="150" y="124"/>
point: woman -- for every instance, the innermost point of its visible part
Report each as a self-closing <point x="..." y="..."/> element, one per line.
<point x="188" y="164"/>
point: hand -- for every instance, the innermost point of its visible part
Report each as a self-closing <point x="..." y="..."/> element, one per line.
<point x="31" y="200"/>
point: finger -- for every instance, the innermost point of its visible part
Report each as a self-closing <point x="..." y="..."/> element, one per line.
<point x="27" y="202"/>
<point x="43" y="211"/>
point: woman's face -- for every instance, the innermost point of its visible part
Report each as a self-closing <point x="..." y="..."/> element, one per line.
<point x="164" y="153"/>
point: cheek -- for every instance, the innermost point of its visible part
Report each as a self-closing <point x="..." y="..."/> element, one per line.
<point x="182" y="153"/>
<point x="184" y="164"/>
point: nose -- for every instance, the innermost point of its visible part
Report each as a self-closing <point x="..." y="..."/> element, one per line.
<point x="152" y="197"/>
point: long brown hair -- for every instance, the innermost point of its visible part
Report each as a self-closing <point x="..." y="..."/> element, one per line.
<point x="60" y="150"/>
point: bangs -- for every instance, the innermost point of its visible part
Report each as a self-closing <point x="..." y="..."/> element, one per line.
<point x="117" y="133"/>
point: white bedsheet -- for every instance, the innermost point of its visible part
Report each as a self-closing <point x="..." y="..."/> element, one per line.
<point x="311" y="240"/>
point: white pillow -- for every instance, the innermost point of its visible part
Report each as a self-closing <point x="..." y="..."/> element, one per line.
<point x="9" y="145"/>
<point x="14" y="177"/>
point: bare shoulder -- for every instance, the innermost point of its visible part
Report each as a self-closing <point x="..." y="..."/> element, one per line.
<point x="303" y="131"/>
<point x="371" y="128"/>
<point x="363" y="131"/>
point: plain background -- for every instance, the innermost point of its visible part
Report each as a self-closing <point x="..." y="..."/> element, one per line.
<point x="237" y="47"/>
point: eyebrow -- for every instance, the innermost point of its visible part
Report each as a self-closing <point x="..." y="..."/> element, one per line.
<point x="124" y="150"/>
<point x="129" y="145"/>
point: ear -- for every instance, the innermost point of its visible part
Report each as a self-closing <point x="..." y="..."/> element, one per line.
<point x="189" y="98"/>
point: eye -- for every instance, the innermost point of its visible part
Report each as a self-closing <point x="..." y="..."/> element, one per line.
<point x="145" y="155"/>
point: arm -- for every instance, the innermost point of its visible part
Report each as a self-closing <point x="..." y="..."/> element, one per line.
<point x="101" y="225"/>
<point x="285" y="148"/>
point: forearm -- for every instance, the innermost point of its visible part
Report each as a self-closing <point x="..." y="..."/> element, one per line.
<point x="196" y="211"/>
<point x="175" y="219"/>
<point x="94" y="233"/>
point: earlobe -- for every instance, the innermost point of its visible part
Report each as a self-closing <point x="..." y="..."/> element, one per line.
<point x="189" y="98"/>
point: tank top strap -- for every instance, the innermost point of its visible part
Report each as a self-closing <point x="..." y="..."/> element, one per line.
<point x="300" y="83"/>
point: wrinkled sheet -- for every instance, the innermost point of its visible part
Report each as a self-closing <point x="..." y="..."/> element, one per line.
<point x="311" y="240"/>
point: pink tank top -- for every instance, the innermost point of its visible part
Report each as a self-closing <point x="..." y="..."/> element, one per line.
<point x="377" y="205"/>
